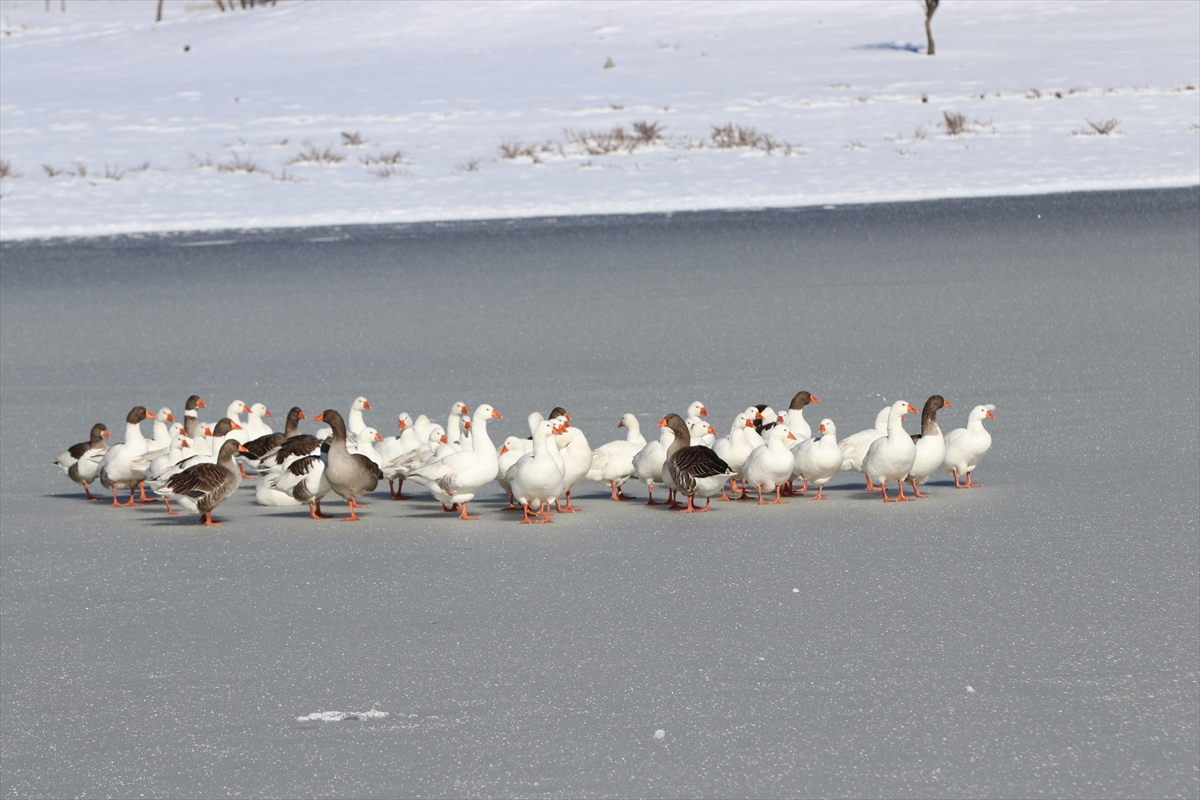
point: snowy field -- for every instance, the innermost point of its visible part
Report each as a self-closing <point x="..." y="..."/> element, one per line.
<point x="1034" y="638"/>
<point x="333" y="113"/>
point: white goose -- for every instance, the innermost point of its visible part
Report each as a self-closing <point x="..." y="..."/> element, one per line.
<point x="770" y="466"/>
<point x="854" y="447"/>
<point x="966" y="446"/>
<point x="118" y="468"/>
<point x="931" y="445"/>
<point x="367" y="437"/>
<point x="254" y="426"/>
<point x="890" y="458"/>
<point x="394" y="448"/>
<point x="612" y="463"/>
<point x="577" y="460"/>
<point x="819" y="459"/>
<point x="733" y="449"/>
<point x="537" y="478"/>
<point x="510" y="453"/>
<point x="648" y="463"/>
<point x="455" y="479"/>
<point x="453" y="422"/>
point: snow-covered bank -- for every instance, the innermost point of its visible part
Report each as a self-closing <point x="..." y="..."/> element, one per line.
<point x="111" y="123"/>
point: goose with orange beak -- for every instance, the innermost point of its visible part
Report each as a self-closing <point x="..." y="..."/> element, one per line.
<point x="695" y="469"/>
<point x="891" y="457"/>
<point x="966" y="446"/>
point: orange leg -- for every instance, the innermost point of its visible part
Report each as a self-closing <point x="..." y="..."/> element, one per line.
<point x="465" y="515"/>
<point x="972" y="485"/>
<point x="568" y="508"/>
<point x="512" y="506"/>
<point x="144" y="499"/>
<point x="900" y="488"/>
<point x="207" y="520"/>
<point x="917" y="492"/>
<point x="690" y="507"/>
<point x="820" y="489"/>
<point x="169" y="511"/>
<point x="398" y="492"/>
<point x="314" y="510"/>
<point x="761" y="502"/>
<point x="88" y="492"/>
<point x="242" y="467"/>
<point x="872" y="487"/>
<point x="778" y="501"/>
<point x="353" y="517"/>
<point x="650" y="489"/>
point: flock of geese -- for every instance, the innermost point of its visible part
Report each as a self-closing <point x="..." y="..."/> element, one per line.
<point x="200" y="465"/>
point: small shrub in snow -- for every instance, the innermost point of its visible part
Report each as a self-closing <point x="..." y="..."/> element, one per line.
<point x="512" y="149"/>
<point x="394" y="158"/>
<point x="81" y="169"/>
<point x="855" y="145"/>
<point x="276" y="142"/>
<point x="311" y="154"/>
<point x="284" y="177"/>
<point x="239" y="165"/>
<point x="391" y="172"/>
<point x="469" y="166"/>
<point x="608" y="63"/>
<point x="113" y="173"/>
<point x="353" y="139"/>
<point x="730" y="136"/>
<point x="955" y="123"/>
<point x="143" y="167"/>
<point x="7" y="171"/>
<point x="1103" y="127"/>
<point x="196" y="162"/>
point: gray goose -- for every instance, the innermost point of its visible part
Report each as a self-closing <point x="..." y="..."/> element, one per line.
<point x="695" y="469"/>
<point x="258" y="449"/>
<point x="350" y="475"/>
<point x="81" y="462"/>
<point x="203" y="487"/>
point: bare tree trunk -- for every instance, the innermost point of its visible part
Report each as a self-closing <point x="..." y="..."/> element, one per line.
<point x="930" y="7"/>
<point x="158" y="16"/>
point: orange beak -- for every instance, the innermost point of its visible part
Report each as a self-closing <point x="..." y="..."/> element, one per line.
<point x="267" y="413"/>
<point x="378" y="438"/>
<point x="467" y="425"/>
<point x="401" y="424"/>
<point x="207" y="431"/>
<point x="758" y="415"/>
<point x="621" y="424"/>
<point x="791" y="436"/>
<point x="170" y="417"/>
<point x="503" y="449"/>
<point x="712" y="430"/>
<point x="236" y="427"/>
<point x="780" y="419"/>
<point x="749" y="423"/>
<point x="947" y="403"/>
<point x="366" y="404"/>
<point x="243" y="449"/>
<point x="319" y="417"/>
<point x="466" y="410"/>
<point x="815" y="399"/>
<point x="912" y="410"/>
<point x="149" y="415"/>
<point x="183" y="443"/>
<point x="444" y="441"/>
<point x="661" y="424"/>
<point x="200" y="404"/>
<point x="496" y="414"/>
<point x="821" y="429"/>
<point x="106" y="435"/>
<point x="990" y="415"/>
<point x="703" y="411"/>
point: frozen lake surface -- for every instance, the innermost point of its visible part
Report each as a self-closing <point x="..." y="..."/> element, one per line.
<point x="1037" y="637"/>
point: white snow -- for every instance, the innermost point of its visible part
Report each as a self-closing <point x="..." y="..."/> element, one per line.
<point x="144" y="136"/>
<point x="659" y="735"/>
<point x="341" y="716"/>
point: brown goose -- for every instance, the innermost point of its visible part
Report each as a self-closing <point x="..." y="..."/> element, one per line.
<point x="695" y="469"/>
<point x="81" y="463"/>
<point x="203" y="487"/>
<point x="350" y="475"/>
<point x="191" y="418"/>
<point x="795" y="415"/>
<point x="258" y="449"/>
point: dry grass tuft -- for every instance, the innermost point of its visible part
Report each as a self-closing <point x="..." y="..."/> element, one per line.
<point x="113" y="173"/>
<point x="512" y="149"/>
<point x="284" y="177"/>
<point x="352" y="139"/>
<point x="196" y="162"/>
<point x="469" y="166"/>
<point x="730" y="136"/>
<point x="54" y="172"/>
<point x="1104" y="127"/>
<point x="81" y="169"/>
<point x="955" y="123"/>
<point x="392" y="159"/>
<point x="7" y="171"/>
<point x="311" y="154"/>
<point x="239" y="165"/>
<point x="277" y="142"/>
<point x="391" y="172"/>
<point x="608" y="63"/>
<point x="598" y="143"/>
<point x="855" y="145"/>
<point x="143" y="167"/>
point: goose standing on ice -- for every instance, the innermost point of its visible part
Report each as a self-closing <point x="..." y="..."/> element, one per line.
<point x="695" y="469"/>
<point x="890" y="458"/>
<point x="537" y="477"/>
<point x="118" y="468"/>
<point x="966" y="446"/>
<point x="649" y="462"/>
<point x="258" y="449"/>
<point x="819" y="459"/>
<point x="931" y="445"/>
<point x="81" y="462"/>
<point x="855" y="446"/>
<point x="577" y="461"/>
<point x="350" y="475"/>
<point x="455" y="479"/>
<point x="795" y="415"/>
<point x="191" y="417"/>
<point x="770" y="466"/>
<point x="203" y="487"/>
<point x="612" y="463"/>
